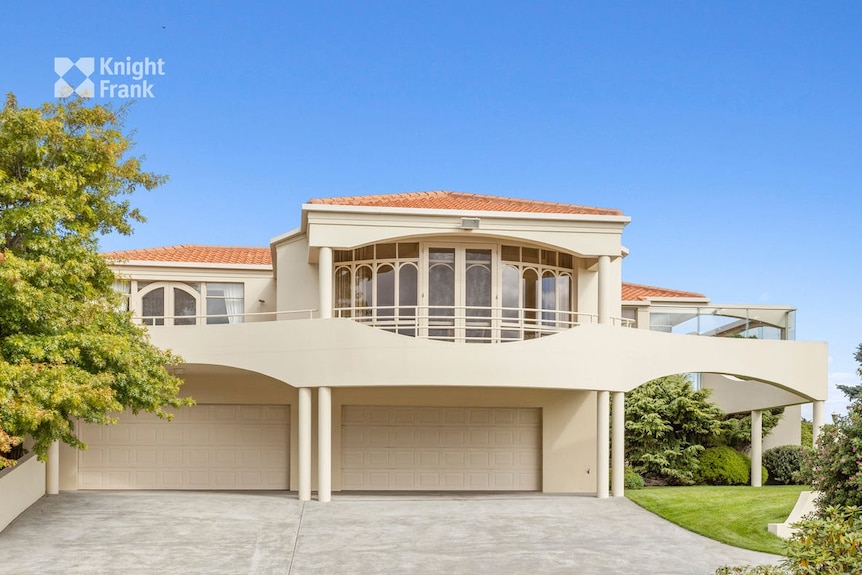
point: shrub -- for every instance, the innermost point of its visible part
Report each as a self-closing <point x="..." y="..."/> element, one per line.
<point x="831" y="543"/>
<point x="751" y="570"/>
<point x="724" y="466"/>
<point x="835" y="463"/>
<point x="737" y="432"/>
<point x="807" y="433"/>
<point x="632" y="480"/>
<point x="667" y="425"/>
<point x="784" y="464"/>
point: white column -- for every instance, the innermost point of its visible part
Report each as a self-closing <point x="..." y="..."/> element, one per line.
<point x="305" y="444"/>
<point x="324" y="444"/>
<point x="52" y="469"/>
<point x="604" y="289"/>
<point x="756" y="447"/>
<point x="618" y="444"/>
<point x="819" y="408"/>
<point x="324" y="273"/>
<point x="603" y="443"/>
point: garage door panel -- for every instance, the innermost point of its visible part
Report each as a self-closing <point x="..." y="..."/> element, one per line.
<point x="204" y="447"/>
<point x="434" y="448"/>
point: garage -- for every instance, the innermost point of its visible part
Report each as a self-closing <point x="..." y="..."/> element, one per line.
<point x="441" y="448"/>
<point x="204" y="447"/>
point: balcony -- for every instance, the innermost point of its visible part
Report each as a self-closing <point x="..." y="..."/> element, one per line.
<point x="463" y="324"/>
<point x="749" y="322"/>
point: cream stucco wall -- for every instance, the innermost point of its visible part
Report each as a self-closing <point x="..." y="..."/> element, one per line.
<point x="346" y="227"/>
<point x="788" y="431"/>
<point x="734" y="395"/>
<point x="342" y="353"/>
<point x="297" y="278"/>
<point x="20" y="487"/>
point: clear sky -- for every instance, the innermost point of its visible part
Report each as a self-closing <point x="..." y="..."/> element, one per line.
<point x="729" y="131"/>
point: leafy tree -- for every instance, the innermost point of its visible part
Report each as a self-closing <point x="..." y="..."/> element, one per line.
<point x="807" y="433"/>
<point x="737" y="433"/>
<point x="667" y="425"/>
<point x="854" y="392"/>
<point x="834" y="466"/>
<point x="66" y="350"/>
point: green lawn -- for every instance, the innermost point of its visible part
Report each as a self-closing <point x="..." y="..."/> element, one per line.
<point x="737" y="516"/>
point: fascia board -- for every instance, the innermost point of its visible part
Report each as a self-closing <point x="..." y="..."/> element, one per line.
<point x="679" y="301"/>
<point x="188" y="265"/>
<point x="285" y="236"/>
<point x="472" y="213"/>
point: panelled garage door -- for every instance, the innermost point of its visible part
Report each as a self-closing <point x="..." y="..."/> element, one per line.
<point x="441" y="448"/>
<point x="204" y="447"/>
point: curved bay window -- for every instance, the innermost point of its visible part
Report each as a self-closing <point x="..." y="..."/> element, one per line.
<point x="470" y="293"/>
<point x="379" y="284"/>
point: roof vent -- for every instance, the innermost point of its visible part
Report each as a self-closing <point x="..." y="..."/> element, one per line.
<point x="469" y="223"/>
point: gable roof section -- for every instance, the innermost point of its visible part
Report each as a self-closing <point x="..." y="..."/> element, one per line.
<point x="635" y="292"/>
<point x="446" y="200"/>
<point x="196" y="254"/>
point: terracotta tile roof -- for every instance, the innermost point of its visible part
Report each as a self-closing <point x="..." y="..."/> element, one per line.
<point x="634" y="292"/>
<point x="196" y="254"/>
<point x="444" y="200"/>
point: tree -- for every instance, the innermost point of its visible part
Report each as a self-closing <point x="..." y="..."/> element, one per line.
<point x="854" y="392"/>
<point x="835" y="463"/>
<point x="737" y="434"/>
<point x="67" y="352"/>
<point x="667" y="425"/>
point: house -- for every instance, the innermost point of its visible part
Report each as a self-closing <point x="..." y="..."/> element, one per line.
<point x="425" y="341"/>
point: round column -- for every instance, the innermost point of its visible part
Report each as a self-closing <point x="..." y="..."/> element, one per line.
<point x="618" y="444"/>
<point x="305" y="444"/>
<point x="324" y="271"/>
<point x="603" y="444"/>
<point x="324" y="444"/>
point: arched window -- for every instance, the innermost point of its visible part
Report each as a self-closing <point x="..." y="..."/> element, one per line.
<point x="169" y="304"/>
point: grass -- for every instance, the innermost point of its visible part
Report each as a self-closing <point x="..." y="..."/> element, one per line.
<point x="737" y="516"/>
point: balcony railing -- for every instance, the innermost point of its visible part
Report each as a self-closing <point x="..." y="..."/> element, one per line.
<point x="444" y="323"/>
<point x="757" y="322"/>
<point x="470" y="324"/>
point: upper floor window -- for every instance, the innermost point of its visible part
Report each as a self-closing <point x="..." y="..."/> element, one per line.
<point x="186" y="303"/>
<point x="456" y="291"/>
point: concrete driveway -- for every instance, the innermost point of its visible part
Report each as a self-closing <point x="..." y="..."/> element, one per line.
<point x="233" y="533"/>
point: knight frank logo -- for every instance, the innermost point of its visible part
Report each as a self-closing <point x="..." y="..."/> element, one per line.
<point x="117" y="78"/>
<point x="85" y="89"/>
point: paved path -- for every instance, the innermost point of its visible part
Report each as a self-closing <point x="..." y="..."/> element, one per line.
<point x="273" y="533"/>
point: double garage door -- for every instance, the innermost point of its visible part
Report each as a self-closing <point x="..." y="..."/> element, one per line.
<point x="441" y="448"/>
<point x="204" y="447"/>
<point x="383" y="448"/>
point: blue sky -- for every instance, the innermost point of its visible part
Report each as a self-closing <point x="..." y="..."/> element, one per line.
<point x="730" y="132"/>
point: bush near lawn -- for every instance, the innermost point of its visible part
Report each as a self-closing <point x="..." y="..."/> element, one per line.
<point x="632" y="480"/>
<point x="784" y="464"/>
<point x="724" y="465"/>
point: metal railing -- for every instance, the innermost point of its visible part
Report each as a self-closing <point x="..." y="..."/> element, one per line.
<point x="228" y="318"/>
<point x="468" y="324"/>
<point x="471" y="324"/>
<point x="745" y="321"/>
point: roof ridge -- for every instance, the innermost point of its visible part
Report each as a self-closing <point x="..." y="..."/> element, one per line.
<point x="437" y="199"/>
